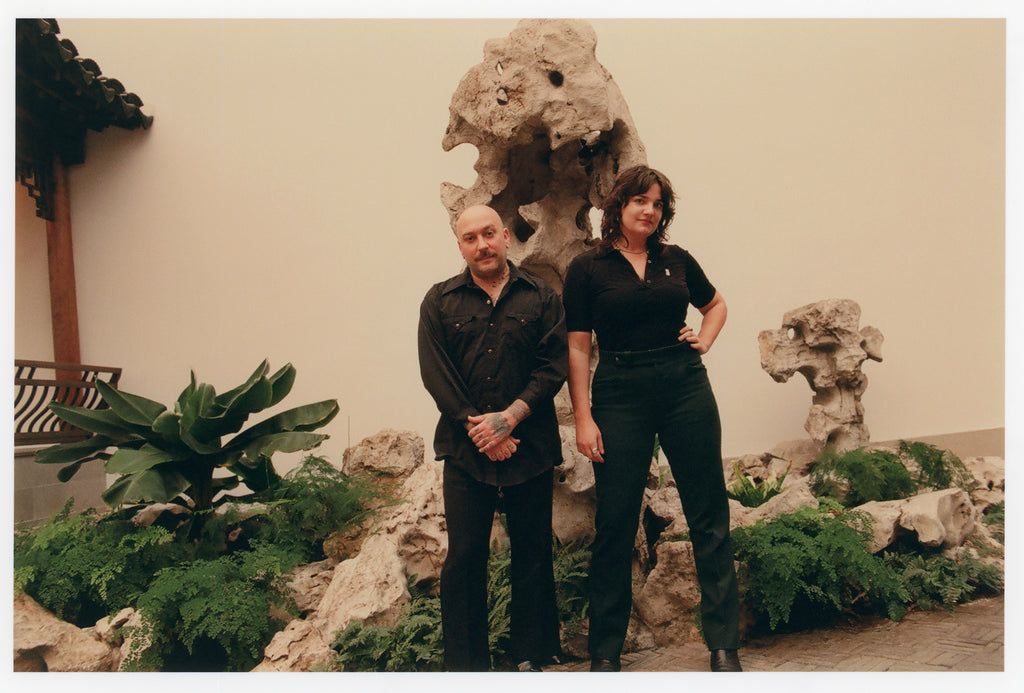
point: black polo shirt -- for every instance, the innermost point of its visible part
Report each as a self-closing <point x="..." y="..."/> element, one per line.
<point x="476" y="357"/>
<point x="603" y="294"/>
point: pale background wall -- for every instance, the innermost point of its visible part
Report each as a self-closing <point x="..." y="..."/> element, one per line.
<point x="285" y="205"/>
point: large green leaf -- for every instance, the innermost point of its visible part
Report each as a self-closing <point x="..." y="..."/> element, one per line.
<point x="126" y="461"/>
<point x="291" y="441"/>
<point x="132" y="408"/>
<point x="225" y="400"/>
<point x="159" y="485"/>
<point x="167" y="424"/>
<point x="103" y="421"/>
<point x="258" y="475"/>
<point x="308" y="417"/>
<point x="228" y="416"/>
<point x="201" y="447"/>
<point x="79" y="451"/>
<point x="196" y="405"/>
<point x="282" y="382"/>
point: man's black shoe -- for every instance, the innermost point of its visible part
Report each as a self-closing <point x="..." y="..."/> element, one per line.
<point x="725" y="660"/>
<point x="605" y="665"/>
<point x="528" y="666"/>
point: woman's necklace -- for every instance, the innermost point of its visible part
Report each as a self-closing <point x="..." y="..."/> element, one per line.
<point x="631" y="252"/>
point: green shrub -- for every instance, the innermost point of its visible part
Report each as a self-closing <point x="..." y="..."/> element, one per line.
<point x="750" y="492"/>
<point x="83" y="567"/>
<point x="311" y="502"/>
<point x="938" y="580"/>
<point x="211" y="615"/>
<point x="805" y="567"/>
<point x="937" y="469"/>
<point x="858" y="476"/>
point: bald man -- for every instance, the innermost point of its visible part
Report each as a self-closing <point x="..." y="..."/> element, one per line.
<point x="493" y="353"/>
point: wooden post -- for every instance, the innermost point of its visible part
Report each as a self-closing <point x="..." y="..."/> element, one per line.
<point x="61" y="256"/>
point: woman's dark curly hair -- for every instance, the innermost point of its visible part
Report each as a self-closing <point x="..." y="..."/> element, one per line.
<point x="635" y="181"/>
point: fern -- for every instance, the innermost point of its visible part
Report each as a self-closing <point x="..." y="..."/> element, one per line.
<point x="815" y="564"/>
<point x="211" y="615"/>
<point x="938" y="580"/>
<point x="937" y="469"/>
<point x="83" y="567"/>
<point x="312" y="501"/>
<point x="857" y="476"/>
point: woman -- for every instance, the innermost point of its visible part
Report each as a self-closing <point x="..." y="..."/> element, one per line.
<point x="632" y="291"/>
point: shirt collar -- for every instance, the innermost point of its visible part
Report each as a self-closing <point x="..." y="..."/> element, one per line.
<point x="465" y="279"/>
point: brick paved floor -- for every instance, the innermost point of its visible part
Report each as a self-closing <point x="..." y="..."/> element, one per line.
<point x="970" y="639"/>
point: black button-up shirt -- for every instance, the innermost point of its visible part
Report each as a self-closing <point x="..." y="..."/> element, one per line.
<point x="476" y="358"/>
<point x="603" y="293"/>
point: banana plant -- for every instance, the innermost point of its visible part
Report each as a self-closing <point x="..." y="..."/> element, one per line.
<point x="166" y="456"/>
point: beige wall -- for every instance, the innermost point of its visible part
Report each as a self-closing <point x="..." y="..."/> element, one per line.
<point x="285" y="204"/>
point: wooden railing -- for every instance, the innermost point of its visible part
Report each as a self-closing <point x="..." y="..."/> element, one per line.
<point x="38" y="383"/>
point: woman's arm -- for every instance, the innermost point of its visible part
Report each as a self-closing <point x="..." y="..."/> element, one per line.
<point x="714" y="315"/>
<point x="588" y="436"/>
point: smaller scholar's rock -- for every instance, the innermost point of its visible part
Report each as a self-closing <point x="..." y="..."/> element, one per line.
<point x="823" y="342"/>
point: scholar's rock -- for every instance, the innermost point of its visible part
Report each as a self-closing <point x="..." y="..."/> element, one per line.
<point x="552" y="130"/>
<point x="823" y="342"/>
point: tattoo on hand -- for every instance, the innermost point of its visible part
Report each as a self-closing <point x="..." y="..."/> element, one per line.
<point x="499" y="424"/>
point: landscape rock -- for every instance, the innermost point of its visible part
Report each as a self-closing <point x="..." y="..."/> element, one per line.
<point x="387" y="452"/>
<point x="795" y="494"/>
<point x="309" y="582"/>
<point x="669" y="596"/>
<point x="885" y="522"/>
<point x="43" y="642"/>
<point x="940" y="518"/>
<point x="301" y="646"/>
<point x="798" y="453"/>
<point x="990" y="480"/>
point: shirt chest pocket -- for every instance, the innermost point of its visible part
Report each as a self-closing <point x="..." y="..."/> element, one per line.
<point x="522" y="327"/>
<point x="462" y="330"/>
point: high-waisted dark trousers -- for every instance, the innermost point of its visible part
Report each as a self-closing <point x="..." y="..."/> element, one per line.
<point x="469" y="511"/>
<point x="637" y="395"/>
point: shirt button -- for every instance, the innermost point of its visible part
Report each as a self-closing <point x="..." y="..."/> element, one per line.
<point x="490" y="351"/>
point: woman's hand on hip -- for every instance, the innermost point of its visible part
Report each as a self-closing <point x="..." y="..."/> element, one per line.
<point x="688" y="335"/>
<point x="588" y="441"/>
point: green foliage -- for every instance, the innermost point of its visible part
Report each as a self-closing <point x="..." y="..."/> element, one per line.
<point x="571" y="568"/>
<point x="937" y="469"/>
<point x="750" y="492"/>
<point x="163" y="454"/>
<point x="803" y="567"/>
<point x="995" y="517"/>
<point x="858" y="476"/>
<point x="415" y="643"/>
<point x="83" y="567"/>
<point x="938" y="580"/>
<point x="310" y="503"/>
<point x="211" y="615"/>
